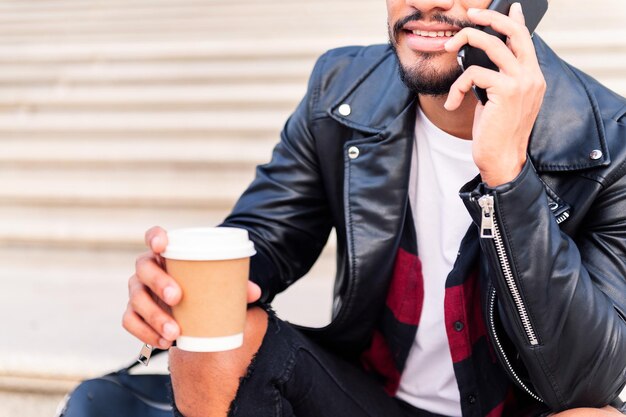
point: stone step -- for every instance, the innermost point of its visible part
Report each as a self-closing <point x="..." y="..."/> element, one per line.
<point x="579" y="40"/>
<point x="184" y="30"/>
<point x="25" y="9"/>
<point x="72" y="227"/>
<point x="258" y="71"/>
<point x="191" y="123"/>
<point x="211" y="19"/>
<point x="149" y="187"/>
<point x="82" y="99"/>
<point x="168" y="51"/>
<point x="128" y="152"/>
<point x="568" y="14"/>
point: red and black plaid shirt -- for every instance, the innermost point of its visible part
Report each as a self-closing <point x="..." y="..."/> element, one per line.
<point x="485" y="389"/>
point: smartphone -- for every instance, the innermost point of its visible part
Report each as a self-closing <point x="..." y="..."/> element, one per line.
<point x="534" y="10"/>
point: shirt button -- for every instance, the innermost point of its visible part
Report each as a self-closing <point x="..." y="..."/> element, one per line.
<point x="458" y="326"/>
<point x="471" y="399"/>
<point x="344" y="109"/>
<point x="353" y="152"/>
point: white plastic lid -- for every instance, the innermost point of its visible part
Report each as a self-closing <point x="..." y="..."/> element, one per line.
<point x="208" y="244"/>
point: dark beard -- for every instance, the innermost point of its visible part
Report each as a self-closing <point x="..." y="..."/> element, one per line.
<point x="423" y="79"/>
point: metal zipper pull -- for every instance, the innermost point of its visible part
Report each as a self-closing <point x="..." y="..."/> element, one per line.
<point x="486" y="222"/>
<point x="144" y="354"/>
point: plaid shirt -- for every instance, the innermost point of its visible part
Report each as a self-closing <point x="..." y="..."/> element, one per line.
<point x="485" y="389"/>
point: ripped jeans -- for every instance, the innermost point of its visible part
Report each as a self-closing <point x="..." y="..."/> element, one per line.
<point x="292" y="376"/>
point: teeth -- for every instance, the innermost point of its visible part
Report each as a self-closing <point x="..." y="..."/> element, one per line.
<point x="441" y="33"/>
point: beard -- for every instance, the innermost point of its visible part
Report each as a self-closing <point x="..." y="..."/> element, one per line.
<point x="423" y="78"/>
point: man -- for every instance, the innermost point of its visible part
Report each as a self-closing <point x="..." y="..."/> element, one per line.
<point x="516" y="304"/>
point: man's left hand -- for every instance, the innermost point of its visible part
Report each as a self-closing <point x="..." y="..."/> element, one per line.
<point x="502" y="126"/>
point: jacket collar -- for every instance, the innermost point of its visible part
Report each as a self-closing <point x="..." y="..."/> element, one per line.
<point x="568" y="129"/>
<point x="376" y="98"/>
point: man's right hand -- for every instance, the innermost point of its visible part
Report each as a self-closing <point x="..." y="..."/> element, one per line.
<point x="152" y="293"/>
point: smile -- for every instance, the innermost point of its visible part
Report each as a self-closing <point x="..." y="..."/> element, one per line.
<point x="438" y="34"/>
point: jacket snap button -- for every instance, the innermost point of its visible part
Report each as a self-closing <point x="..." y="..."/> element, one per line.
<point x="458" y="326"/>
<point x="471" y="399"/>
<point x="353" y="152"/>
<point x="595" y="154"/>
<point x="344" y="110"/>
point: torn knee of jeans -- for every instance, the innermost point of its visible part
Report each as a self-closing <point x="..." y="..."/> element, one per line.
<point x="273" y="322"/>
<point x="232" y="409"/>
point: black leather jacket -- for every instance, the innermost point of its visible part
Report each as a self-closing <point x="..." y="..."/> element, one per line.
<point x="556" y="255"/>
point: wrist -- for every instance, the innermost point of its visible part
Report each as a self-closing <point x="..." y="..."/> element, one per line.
<point x="499" y="175"/>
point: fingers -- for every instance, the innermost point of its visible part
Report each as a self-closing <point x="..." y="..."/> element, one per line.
<point x="152" y="318"/>
<point x="142" y="331"/>
<point x="513" y="26"/>
<point x="156" y="239"/>
<point x="150" y="274"/>
<point x="516" y="59"/>
<point x="495" y="49"/>
<point x="254" y="292"/>
<point x="481" y="77"/>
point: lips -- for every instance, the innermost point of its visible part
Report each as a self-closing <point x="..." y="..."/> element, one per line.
<point x="421" y="37"/>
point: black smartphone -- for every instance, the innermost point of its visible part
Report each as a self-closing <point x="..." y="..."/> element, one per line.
<point x="534" y="10"/>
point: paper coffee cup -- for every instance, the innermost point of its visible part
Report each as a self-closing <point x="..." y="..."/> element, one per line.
<point x="211" y="265"/>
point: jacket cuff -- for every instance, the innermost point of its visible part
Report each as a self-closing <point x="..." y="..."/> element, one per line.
<point x="519" y="191"/>
<point x="523" y="180"/>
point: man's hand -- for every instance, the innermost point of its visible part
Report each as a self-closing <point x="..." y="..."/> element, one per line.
<point x="502" y="127"/>
<point x="151" y="293"/>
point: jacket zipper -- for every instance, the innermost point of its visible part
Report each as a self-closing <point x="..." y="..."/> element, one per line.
<point x="561" y="218"/>
<point x="492" y="325"/>
<point x="489" y="230"/>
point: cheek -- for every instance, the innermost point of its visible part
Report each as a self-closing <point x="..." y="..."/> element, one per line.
<point x="394" y="11"/>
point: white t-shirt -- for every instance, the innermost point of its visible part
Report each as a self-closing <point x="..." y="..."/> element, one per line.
<point x="441" y="165"/>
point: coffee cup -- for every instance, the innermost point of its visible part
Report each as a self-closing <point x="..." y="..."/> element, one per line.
<point x="211" y="266"/>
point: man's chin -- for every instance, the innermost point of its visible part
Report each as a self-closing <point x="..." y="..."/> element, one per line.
<point x="422" y="79"/>
<point x="428" y="74"/>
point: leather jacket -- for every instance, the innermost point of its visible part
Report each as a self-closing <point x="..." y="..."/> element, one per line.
<point x="553" y="245"/>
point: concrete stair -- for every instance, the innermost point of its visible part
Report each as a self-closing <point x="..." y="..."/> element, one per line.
<point x="116" y="115"/>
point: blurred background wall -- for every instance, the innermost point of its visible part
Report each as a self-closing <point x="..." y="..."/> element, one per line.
<point x="116" y="115"/>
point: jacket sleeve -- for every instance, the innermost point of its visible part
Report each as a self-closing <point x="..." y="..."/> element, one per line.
<point x="284" y="209"/>
<point x="571" y="290"/>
